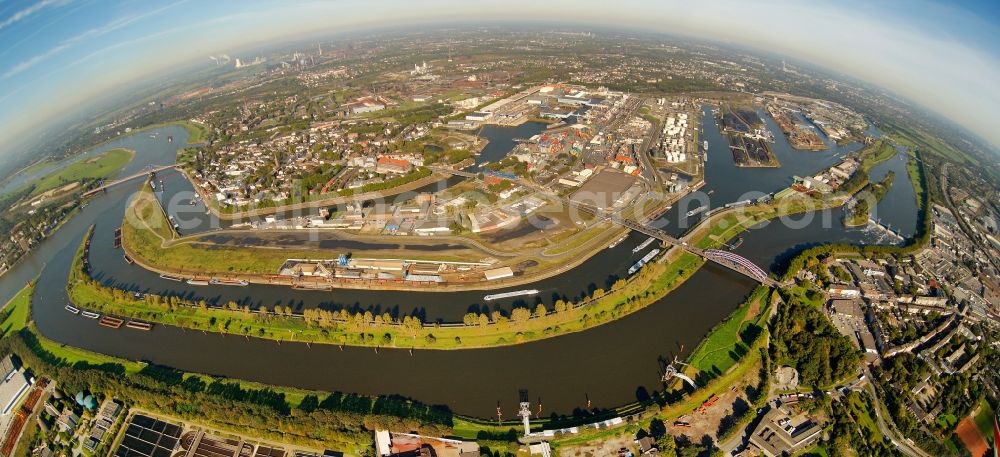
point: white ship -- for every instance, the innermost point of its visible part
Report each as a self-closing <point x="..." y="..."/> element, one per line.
<point x="697" y="210"/>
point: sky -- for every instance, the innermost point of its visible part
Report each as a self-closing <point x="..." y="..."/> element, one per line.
<point x="56" y="55"/>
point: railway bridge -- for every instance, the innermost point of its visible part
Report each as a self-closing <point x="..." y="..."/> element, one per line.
<point x="727" y="259"/>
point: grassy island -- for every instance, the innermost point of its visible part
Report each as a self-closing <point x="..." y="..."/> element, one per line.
<point x="860" y="211"/>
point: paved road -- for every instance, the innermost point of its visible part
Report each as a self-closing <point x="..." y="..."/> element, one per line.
<point x="888" y="429"/>
<point x="649" y="173"/>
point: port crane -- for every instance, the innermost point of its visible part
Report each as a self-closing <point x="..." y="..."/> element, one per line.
<point x="672" y="372"/>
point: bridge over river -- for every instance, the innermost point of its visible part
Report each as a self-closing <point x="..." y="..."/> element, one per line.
<point x="149" y="171"/>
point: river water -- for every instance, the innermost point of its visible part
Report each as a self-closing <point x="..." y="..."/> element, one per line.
<point x="607" y="365"/>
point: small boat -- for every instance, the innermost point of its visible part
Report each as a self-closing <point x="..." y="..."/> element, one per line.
<point x="615" y="243"/>
<point x="171" y="277"/>
<point x="229" y="282"/>
<point x="128" y="259"/>
<point x="72" y="309"/>
<point x="90" y="314"/>
<point x="736" y="244"/>
<point x="111" y="322"/>
<point x="139" y="325"/>
<point x="197" y="282"/>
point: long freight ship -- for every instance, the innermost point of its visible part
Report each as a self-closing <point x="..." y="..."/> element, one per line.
<point x="516" y="293"/>
<point x="697" y="210"/>
<point x="229" y="282"/>
<point x="646" y="258"/>
<point x="644" y="245"/>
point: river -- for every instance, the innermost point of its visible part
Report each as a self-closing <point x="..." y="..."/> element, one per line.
<point x="608" y="364"/>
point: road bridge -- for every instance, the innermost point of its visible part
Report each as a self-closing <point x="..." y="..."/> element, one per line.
<point x="452" y="171"/>
<point x="145" y="172"/>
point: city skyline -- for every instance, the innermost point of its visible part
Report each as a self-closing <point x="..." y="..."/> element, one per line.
<point x="58" y="51"/>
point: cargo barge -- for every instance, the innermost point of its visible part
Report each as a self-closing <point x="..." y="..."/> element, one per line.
<point x="643" y="261"/>
<point x="111" y="322"/>
<point x="139" y="325"/>
<point x="516" y="293"/>
<point x="229" y="282"/>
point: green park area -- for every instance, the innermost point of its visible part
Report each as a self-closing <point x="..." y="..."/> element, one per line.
<point x="984" y="419"/>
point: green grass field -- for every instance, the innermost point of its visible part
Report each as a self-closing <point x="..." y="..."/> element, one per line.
<point x="984" y="420"/>
<point x="918" y="139"/>
<point x="861" y="413"/>
<point x="19" y="308"/>
<point x="100" y="167"/>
